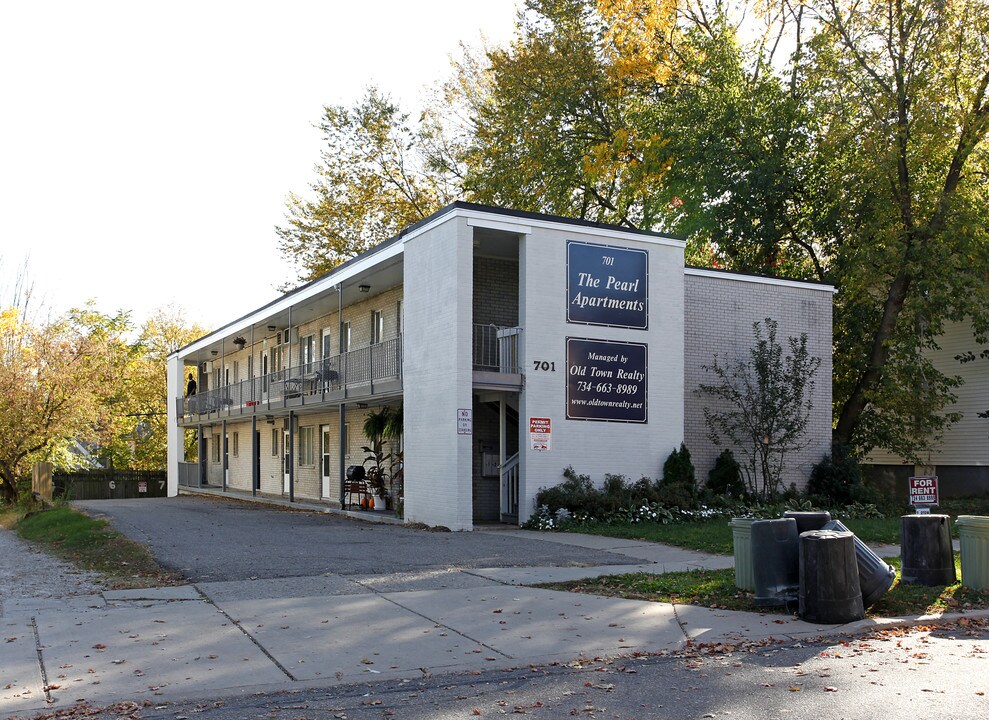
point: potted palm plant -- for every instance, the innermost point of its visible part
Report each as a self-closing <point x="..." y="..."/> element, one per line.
<point x="375" y="426"/>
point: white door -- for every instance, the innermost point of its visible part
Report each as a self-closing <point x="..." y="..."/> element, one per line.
<point x="286" y="460"/>
<point x="325" y="441"/>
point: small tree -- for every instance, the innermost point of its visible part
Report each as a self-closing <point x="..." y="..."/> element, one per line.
<point x="764" y="405"/>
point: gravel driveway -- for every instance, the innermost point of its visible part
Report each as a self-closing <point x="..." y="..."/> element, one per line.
<point x="29" y="573"/>
<point x="216" y="540"/>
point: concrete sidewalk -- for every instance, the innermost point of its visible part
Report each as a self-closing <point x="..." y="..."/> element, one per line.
<point x="245" y="636"/>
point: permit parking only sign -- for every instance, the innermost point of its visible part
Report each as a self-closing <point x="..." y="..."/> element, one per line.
<point x="923" y="490"/>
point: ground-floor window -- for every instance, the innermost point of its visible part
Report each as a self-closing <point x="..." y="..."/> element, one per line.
<point x="216" y="448"/>
<point x="307" y="455"/>
<point x="274" y="443"/>
<point x="236" y="444"/>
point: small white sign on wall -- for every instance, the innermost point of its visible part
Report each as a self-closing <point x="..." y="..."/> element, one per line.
<point x="465" y="421"/>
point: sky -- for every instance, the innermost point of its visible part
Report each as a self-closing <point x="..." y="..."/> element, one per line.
<point x="146" y="149"/>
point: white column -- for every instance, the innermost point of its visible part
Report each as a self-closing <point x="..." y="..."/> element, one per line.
<point x="176" y="435"/>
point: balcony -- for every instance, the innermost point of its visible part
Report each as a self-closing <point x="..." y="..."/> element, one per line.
<point x="373" y="370"/>
<point x="495" y="353"/>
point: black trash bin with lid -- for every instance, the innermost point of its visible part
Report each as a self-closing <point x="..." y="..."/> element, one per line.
<point x="775" y="571"/>
<point x="927" y="557"/>
<point x="829" y="578"/>
<point x="808" y="520"/>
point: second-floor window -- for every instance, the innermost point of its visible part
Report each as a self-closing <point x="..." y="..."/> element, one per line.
<point x="307" y="350"/>
<point x="377" y="327"/>
<point x="345" y="338"/>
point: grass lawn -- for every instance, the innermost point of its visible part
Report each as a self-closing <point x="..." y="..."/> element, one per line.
<point x="716" y="588"/>
<point x="714" y="536"/>
<point x="91" y="545"/>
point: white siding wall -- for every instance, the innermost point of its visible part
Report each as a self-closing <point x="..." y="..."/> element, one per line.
<point x="437" y="375"/>
<point x="593" y="447"/>
<point x="967" y="441"/>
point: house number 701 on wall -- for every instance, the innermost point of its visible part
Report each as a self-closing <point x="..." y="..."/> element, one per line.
<point x="544" y="365"/>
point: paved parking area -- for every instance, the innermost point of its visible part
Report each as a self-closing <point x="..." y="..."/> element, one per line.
<point x="210" y="540"/>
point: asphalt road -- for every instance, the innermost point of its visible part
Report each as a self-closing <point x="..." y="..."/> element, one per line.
<point x="895" y="675"/>
<point x="209" y="540"/>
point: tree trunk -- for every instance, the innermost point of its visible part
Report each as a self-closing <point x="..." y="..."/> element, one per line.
<point x="870" y="378"/>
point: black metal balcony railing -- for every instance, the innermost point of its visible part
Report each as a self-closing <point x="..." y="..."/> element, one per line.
<point x="358" y="372"/>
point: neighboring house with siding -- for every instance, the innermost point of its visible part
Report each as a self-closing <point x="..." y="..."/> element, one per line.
<point x="516" y="343"/>
<point x="961" y="458"/>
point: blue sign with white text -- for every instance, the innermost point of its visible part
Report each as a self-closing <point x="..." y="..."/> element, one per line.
<point x="607" y="285"/>
<point x="606" y="380"/>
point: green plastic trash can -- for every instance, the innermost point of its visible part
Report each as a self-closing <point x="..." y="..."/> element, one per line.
<point x="741" y="534"/>
<point x="973" y="535"/>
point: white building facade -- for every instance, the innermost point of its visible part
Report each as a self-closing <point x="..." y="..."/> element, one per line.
<point x="515" y="344"/>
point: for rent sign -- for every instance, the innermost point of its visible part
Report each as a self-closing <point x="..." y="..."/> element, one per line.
<point x="923" y="490"/>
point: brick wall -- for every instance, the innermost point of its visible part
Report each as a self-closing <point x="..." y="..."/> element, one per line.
<point x="496" y="292"/>
<point x="719" y="310"/>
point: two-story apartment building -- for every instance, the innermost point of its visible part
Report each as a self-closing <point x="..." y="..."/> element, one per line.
<point x="515" y="344"/>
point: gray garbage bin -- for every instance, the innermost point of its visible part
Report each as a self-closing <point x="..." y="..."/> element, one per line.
<point x="777" y="574"/>
<point x="875" y="575"/>
<point x="973" y="535"/>
<point x="741" y="536"/>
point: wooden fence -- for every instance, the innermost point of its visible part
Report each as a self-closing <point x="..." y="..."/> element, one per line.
<point x="110" y="484"/>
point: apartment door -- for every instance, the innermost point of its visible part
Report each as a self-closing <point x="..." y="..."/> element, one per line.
<point x="286" y="461"/>
<point x="325" y="444"/>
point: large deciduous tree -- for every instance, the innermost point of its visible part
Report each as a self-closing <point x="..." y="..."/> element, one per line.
<point x="900" y="93"/>
<point x="371" y="182"/>
<point x="59" y="382"/>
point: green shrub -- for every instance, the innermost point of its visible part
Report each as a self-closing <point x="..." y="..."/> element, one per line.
<point x="725" y="478"/>
<point x="836" y="479"/>
<point x="679" y="485"/>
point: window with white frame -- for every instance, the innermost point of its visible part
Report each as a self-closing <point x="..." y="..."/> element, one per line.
<point x="236" y="444"/>
<point x="307" y="350"/>
<point x="307" y="454"/>
<point x="345" y="337"/>
<point x="274" y="442"/>
<point x="377" y="327"/>
<point x="327" y="344"/>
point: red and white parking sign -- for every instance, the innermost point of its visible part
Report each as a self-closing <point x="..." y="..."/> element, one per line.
<point x="923" y="490"/>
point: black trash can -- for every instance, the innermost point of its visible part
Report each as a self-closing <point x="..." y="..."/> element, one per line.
<point x="808" y="520"/>
<point x="829" y="580"/>
<point x="927" y="557"/>
<point x="875" y="575"/>
<point x="776" y="565"/>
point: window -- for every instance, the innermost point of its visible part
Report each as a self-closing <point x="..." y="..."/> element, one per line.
<point x="236" y="444"/>
<point x="307" y="350"/>
<point x="327" y="344"/>
<point x="307" y="456"/>
<point x="236" y="371"/>
<point x="216" y="448"/>
<point x="274" y="443"/>
<point x="399" y="313"/>
<point x="377" y="327"/>
<point x="345" y="338"/>
<point x="276" y="358"/>
<point x="346" y="438"/>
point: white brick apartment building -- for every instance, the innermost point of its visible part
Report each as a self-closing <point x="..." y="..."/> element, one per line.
<point x="516" y="344"/>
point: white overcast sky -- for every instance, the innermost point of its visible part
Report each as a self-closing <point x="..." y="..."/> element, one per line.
<point x="146" y="149"/>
